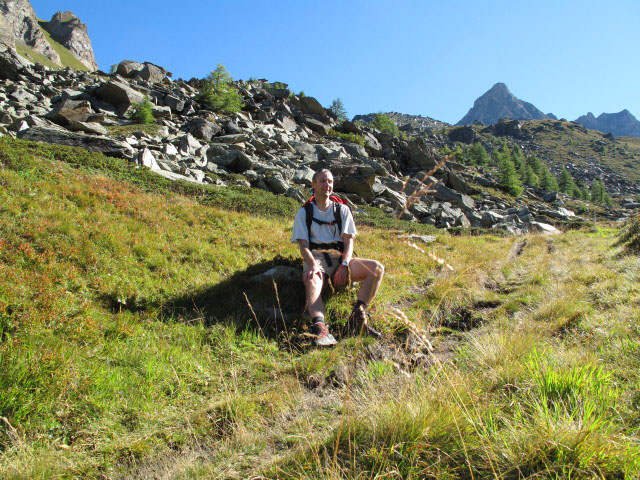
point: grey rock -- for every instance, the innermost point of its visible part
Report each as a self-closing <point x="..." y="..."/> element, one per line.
<point x="87" y="127"/>
<point x="203" y="129"/>
<point x="119" y="94"/>
<point x="420" y="238"/>
<point x="151" y="73"/>
<point x="69" y="110"/>
<point x="491" y="218"/>
<point x="128" y="68"/>
<point x="303" y="176"/>
<point x="285" y="122"/>
<point x="237" y="138"/>
<point x="280" y="274"/>
<point x="308" y="105"/>
<point x="315" y="125"/>
<point x="106" y="145"/>
<point x="174" y="103"/>
<point x="276" y="183"/>
<point x="147" y="159"/>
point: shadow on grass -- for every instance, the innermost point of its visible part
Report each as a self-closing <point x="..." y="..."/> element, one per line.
<point x="246" y="300"/>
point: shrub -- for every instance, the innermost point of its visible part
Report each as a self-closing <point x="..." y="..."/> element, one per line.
<point x="142" y="112"/>
<point x="350" y="137"/>
<point x="218" y="94"/>
<point x="384" y="123"/>
<point x="630" y="235"/>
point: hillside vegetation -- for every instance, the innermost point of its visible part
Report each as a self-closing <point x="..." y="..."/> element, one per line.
<point x="134" y="342"/>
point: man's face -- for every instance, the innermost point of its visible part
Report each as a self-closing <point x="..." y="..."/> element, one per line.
<point x="323" y="184"/>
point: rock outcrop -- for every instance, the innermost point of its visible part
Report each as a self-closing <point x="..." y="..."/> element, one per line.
<point x="618" y="124"/>
<point x="499" y="103"/>
<point x="67" y="29"/>
<point x="19" y="24"/>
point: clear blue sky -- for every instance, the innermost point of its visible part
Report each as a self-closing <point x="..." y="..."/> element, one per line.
<point x="422" y="57"/>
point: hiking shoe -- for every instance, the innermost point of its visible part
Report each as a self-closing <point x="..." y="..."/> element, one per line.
<point x="322" y="336"/>
<point x="359" y="323"/>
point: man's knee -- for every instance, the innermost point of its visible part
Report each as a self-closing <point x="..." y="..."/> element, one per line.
<point x="379" y="270"/>
<point x="314" y="282"/>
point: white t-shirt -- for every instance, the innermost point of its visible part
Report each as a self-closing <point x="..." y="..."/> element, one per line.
<point x="322" y="233"/>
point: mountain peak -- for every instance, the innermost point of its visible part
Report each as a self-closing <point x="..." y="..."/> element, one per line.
<point x="498" y="103"/>
<point x="619" y="124"/>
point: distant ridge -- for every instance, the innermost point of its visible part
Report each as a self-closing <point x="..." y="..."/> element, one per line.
<point x="498" y="103"/>
<point x="402" y="120"/>
<point x="619" y="124"/>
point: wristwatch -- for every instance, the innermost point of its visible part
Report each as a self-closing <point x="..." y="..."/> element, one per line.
<point x="345" y="263"/>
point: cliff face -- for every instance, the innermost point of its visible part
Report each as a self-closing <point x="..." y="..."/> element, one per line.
<point x="67" y="29"/>
<point x="498" y="103"/>
<point x="618" y="124"/>
<point x="19" y="24"/>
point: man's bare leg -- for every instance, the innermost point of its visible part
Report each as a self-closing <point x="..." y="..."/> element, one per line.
<point x="369" y="273"/>
<point x="313" y="290"/>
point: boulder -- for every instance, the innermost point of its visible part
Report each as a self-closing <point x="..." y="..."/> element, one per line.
<point x="464" y="134"/>
<point x="106" y="145"/>
<point x="285" y="122"/>
<point x="87" y="127"/>
<point x="147" y="159"/>
<point x="203" y="129"/>
<point x="314" y="125"/>
<point x="276" y="183"/>
<point x="128" y="68"/>
<point x="151" y="73"/>
<point x="119" y="94"/>
<point x="308" y="105"/>
<point x="69" y="110"/>
<point x="356" y="183"/>
<point x="174" y="103"/>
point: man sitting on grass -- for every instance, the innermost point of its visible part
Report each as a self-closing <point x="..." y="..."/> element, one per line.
<point x="325" y="231"/>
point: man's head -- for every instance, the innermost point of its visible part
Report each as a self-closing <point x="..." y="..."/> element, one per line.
<point x="322" y="183"/>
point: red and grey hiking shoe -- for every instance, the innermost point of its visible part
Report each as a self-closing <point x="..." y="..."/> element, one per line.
<point x="322" y="336"/>
<point x="359" y="323"/>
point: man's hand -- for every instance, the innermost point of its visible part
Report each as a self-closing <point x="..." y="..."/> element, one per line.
<point x="315" y="270"/>
<point x="341" y="276"/>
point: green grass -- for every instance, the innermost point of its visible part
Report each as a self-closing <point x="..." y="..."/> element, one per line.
<point x="35" y="57"/>
<point x="129" y="349"/>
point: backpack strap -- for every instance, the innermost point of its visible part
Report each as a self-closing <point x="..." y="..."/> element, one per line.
<point x="337" y="220"/>
<point x="308" y="210"/>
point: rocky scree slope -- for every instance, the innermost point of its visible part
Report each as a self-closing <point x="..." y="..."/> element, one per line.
<point x="275" y="143"/>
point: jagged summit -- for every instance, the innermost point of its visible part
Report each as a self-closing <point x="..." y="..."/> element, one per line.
<point x="63" y="41"/>
<point x="497" y="103"/>
<point x="618" y="124"/>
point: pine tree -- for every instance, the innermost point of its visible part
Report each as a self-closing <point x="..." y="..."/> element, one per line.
<point x="218" y="94"/>
<point x="507" y="175"/>
<point x="337" y="107"/>
<point x="478" y="154"/>
<point x="565" y="182"/>
<point x="530" y="177"/>
<point x="547" y="180"/>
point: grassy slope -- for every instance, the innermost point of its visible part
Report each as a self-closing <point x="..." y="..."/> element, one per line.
<point x="126" y="344"/>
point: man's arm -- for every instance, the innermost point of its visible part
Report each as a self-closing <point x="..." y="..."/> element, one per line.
<point x="308" y="259"/>
<point x="342" y="273"/>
